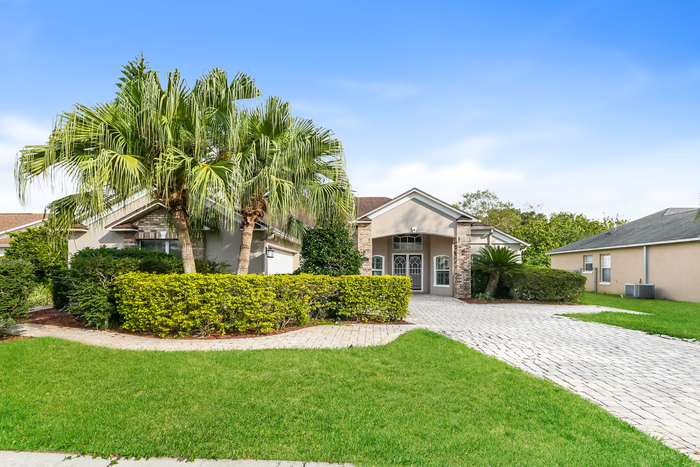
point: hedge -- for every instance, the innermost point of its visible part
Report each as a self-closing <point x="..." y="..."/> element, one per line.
<point x="199" y="304"/>
<point x="87" y="288"/>
<point x="16" y="281"/>
<point x="545" y="284"/>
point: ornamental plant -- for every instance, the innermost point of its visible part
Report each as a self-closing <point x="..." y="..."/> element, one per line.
<point x="329" y="251"/>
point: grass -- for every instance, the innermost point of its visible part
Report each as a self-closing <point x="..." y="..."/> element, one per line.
<point x="421" y="400"/>
<point x="677" y="319"/>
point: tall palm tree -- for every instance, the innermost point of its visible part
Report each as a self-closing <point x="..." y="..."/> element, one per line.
<point x="497" y="261"/>
<point x="174" y="143"/>
<point x="288" y="166"/>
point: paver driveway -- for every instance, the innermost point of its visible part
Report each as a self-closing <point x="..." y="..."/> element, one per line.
<point x="651" y="382"/>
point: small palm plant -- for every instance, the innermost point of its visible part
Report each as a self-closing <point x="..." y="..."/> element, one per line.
<point x="497" y="261"/>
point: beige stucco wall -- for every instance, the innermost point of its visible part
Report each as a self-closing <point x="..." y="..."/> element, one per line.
<point x="97" y="235"/>
<point x="432" y="246"/>
<point x="413" y="213"/>
<point x="626" y="266"/>
<point x="483" y="237"/>
<point x="674" y="269"/>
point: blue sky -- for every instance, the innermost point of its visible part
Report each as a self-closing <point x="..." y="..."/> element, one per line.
<point x="591" y="106"/>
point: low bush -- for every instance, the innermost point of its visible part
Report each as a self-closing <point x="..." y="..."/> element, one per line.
<point x="200" y="304"/>
<point x="374" y="298"/>
<point x="545" y="284"/>
<point x="480" y="280"/>
<point x="87" y="288"/>
<point x="16" y="282"/>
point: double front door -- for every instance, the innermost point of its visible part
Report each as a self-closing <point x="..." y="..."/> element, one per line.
<point x="411" y="266"/>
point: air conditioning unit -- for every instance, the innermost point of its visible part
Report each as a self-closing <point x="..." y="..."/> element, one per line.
<point x="639" y="290"/>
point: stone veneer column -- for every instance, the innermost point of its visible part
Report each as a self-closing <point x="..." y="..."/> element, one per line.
<point x="463" y="261"/>
<point x="364" y="244"/>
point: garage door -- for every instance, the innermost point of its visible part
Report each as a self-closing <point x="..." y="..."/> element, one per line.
<point x="282" y="263"/>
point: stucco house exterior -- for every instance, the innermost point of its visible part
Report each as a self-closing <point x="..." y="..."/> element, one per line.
<point x="429" y="240"/>
<point x="16" y="222"/>
<point x="144" y="223"/>
<point x="661" y="249"/>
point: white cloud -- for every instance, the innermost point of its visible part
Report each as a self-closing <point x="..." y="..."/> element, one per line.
<point x="15" y="133"/>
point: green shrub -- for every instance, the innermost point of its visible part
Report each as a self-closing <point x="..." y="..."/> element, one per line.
<point x="42" y="246"/>
<point x="480" y="280"/>
<point x="200" y="304"/>
<point x="329" y="251"/>
<point x="39" y="295"/>
<point x="16" y="282"/>
<point x="88" y="286"/>
<point x="545" y="284"/>
<point x="374" y="298"/>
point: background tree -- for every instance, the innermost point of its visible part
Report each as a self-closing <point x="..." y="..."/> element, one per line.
<point x="288" y="166"/>
<point x="44" y="247"/>
<point x="173" y="143"/>
<point x="330" y="251"/>
<point x="498" y="262"/>
<point x="543" y="232"/>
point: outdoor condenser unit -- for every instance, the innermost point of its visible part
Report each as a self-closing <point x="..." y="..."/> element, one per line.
<point x="639" y="290"/>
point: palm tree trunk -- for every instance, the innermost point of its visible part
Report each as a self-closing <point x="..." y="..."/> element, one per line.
<point x="493" y="282"/>
<point x="246" y="242"/>
<point x="183" y="236"/>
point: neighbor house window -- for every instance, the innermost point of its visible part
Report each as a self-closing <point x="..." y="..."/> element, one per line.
<point x="166" y="246"/>
<point x="442" y="270"/>
<point x="408" y="242"/>
<point x="377" y="265"/>
<point x="605" y="269"/>
<point x="587" y="263"/>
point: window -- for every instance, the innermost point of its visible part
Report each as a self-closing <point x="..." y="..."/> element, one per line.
<point x="605" y="269"/>
<point x="167" y="246"/>
<point x="442" y="271"/>
<point x="377" y="265"/>
<point x="587" y="263"/>
<point x="408" y="242"/>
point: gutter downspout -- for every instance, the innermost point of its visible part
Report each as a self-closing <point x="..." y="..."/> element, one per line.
<point x="646" y="264"/>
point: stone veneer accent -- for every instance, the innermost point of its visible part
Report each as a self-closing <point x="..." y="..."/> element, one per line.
<point x="463" y="261"/>
<point x="364" y="244"/>
<point x="151" y="225"/>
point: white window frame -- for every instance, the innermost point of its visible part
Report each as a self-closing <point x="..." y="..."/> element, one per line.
<point x="422" y="266"/>
<point x="435" y="271"/>
<point x="602" y="269"/>
<point x="587" y="271"/>
<point x="381" y="271"/>
<point x="165" y="240"/>
<point x="413" y="236"/>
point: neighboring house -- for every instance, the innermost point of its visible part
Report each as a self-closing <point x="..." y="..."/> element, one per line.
<point x="144" y="223"/>
<point x="426" y="239"/>
<point x="661" y="249"/>
<point x="16" y="223"/>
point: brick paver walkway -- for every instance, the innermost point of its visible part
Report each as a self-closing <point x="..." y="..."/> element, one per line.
<point x="314" y="337"/>
<point x="651" y="382"/>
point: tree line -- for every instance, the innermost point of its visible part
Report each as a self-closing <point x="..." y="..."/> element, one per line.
<point x="543" y="232"/>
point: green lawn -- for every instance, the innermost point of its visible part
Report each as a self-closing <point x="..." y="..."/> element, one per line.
<point x="678" y="319"/>
<point x="421" y="400"/>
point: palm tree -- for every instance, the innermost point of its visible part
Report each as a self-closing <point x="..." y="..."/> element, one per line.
<point x="173" y="143"/>
<point x="497" y="261"/>
<point x="288" y="166"/>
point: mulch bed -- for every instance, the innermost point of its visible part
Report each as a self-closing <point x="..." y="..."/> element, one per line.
<point x="53" y="317"/>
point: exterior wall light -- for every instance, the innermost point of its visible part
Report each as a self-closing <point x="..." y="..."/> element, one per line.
<point x="269" y="252"/>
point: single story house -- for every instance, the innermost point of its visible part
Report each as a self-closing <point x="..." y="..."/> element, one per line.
<point x="144" y="223"/>
<point x="16" y="222"/>
<point x="661" y="249"/>
<point x="426" y="239"/>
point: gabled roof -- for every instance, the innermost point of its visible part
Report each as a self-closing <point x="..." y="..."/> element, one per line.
<point x="374" y="206"/>
<point x="16" y="221"/>
<point x="498" y="233"/>
<point x="673" y="225"/>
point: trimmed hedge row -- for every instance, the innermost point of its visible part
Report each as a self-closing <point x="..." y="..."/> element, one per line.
<point x="199" y="304"/>
<point x="545" y="284"/>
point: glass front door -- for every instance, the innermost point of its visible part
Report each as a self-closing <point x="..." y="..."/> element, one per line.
<point x="411" y="266"/>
